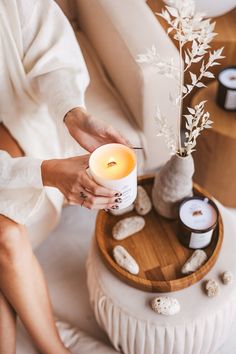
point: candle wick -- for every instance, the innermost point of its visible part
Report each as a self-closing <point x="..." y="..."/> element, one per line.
<point x="110" y="164"/>
<point x="197" y="212"/>
<point x="233" y="77"/>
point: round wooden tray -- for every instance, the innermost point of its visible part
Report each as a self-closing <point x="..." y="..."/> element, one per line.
<point x="156" y="248"/>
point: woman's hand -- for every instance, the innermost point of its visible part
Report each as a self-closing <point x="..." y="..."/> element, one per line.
<point x="90" y="132"/>
<point x="70" y="177"/>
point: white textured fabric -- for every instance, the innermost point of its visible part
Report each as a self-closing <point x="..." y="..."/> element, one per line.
<point x="119" y="31"/>
<point x="202" y="325"/>
<point x="42" y="77"/>
<point x="102" y="100"/>
<point x="20" y="180"/>
<point x="79" y="342"/>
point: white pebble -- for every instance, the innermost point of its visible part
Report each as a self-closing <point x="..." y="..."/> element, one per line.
<point x="142" y="202"/>
<point x="194" y="262"/>
<point x="212" y="288"/>
<point x="165" y="305"/>
<point x="125" y="260"/>
<point x="227" y="277"/>
<point x="127" y="227"/>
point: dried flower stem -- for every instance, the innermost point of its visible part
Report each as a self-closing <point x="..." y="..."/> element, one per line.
<point x="181" y="98"/>
<point x="190" y="27"/>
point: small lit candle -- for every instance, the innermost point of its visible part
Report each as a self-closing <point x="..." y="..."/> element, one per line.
<point x="198" y="217"/>
<point x="226" y="95"/>
<point x="114" y="166"/>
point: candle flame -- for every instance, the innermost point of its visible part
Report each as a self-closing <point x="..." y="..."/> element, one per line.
<point x="111" y="162"/>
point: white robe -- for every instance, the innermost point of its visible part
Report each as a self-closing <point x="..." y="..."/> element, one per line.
<point x="42" y="77"/>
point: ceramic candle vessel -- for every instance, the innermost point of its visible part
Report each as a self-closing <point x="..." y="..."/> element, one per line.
<point x="172" y="184"/>
<point x="198" y="217"/>
<point x="114" y="166"/>
<point x="226" y="94"/>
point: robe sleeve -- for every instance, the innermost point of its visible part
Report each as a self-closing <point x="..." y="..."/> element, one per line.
<point x="57" y="75"/>
<point x="21" y="186"/>
<point x="53" y="60"/>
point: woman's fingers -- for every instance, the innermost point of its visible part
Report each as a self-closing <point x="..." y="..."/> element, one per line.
<point x="96" y="189"/>
<point x="91" y="201"/>
<point x="116" y="136"/>
<point x="96" y="206"/>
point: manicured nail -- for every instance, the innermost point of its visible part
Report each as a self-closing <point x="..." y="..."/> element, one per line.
<point x="118" y="200"/>
<point x="114" y="207"/>
<point x="118" y="194"/>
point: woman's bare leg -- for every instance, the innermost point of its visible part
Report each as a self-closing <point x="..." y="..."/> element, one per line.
<point x="21" y="278"/>
<point x="7" y="327"/>
<point x="8" y="143"/>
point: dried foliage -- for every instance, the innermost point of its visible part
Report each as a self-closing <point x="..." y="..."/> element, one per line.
<point x="193" y="33"/>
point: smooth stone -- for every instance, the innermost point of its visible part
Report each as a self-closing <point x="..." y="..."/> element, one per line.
<point x="197" y="259"/>
<point x="142" y="202"/>
<point x="125" y="260"/>
<point x="127" y="227"/>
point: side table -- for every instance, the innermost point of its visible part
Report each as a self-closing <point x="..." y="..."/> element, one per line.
<point x="215" y="162"/>
<point x="202" y="325"/>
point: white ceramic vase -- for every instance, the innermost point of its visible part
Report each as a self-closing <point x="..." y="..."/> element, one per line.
<point x="212" y="8"/>
<point x="172" y="184"/>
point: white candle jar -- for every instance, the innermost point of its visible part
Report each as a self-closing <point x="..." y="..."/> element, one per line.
<point x="114" y="166"/>
<point x="198" y="217"/>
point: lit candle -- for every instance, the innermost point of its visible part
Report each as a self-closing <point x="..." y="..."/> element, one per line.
<point x="198" y="217"/>
<point x="226" y="95"/>
<point x="114" y="166"/>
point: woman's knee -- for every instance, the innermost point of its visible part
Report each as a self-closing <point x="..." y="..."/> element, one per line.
<point x="12" y="238"/>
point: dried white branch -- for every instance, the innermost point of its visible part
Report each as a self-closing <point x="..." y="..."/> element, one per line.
<point x="165" y="67"/>
<point x="193" y="33"/>
<point x="164" y="130"/>
<point x="196" y="121"/>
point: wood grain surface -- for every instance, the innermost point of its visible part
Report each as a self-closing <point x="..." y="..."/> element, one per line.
<point x="215" y="162"/>
<point x="156" y="248"/>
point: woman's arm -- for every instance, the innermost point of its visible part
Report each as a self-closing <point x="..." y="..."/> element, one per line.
<point x="52" y="60"/>
<point x="57" y="72"/>
<point x="19" y="172"/>
<point x="70" y="177"/>
<point x="91" y="132"/>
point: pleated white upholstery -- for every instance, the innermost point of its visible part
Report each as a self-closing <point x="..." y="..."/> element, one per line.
<point x="201" y="327"/>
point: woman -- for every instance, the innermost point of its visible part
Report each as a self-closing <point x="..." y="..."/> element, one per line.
<point x="43" y="122"/>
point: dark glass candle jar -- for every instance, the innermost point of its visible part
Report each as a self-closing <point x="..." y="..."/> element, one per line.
<point x="226" y="94"/>
<point x="198" y="217"/>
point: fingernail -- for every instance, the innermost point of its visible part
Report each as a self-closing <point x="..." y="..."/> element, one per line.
<point x="114" y="207"/>
<point x="118" y="200"/>
<point x="118" y="194"/>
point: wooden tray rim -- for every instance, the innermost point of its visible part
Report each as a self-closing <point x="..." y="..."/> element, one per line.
<point x="162" y="285"/>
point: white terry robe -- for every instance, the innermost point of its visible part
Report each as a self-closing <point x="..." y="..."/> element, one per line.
<point x="42" y="77"/>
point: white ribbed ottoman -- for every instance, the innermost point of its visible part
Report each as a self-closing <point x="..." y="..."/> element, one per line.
<point x="202" y="325"/>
